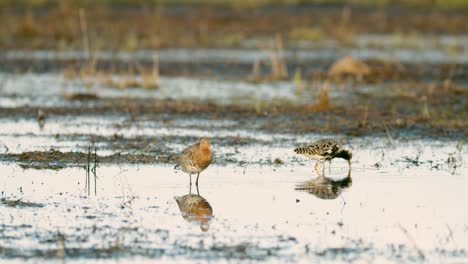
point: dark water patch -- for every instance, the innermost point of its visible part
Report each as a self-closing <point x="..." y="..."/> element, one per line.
<point x="343" y="253"/>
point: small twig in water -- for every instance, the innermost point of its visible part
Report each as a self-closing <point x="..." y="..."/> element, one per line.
<point x="410" y="238"/>
<point x="60" y="253"/>
<point x="88" y="168"/>
<point x="95" y="170"/>
<point x="84" y="32"/>
<point x="389" y="136"/>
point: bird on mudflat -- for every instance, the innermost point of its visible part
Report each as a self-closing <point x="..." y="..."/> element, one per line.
<point x="325" y="150"/>
<point x="195" y="158"/>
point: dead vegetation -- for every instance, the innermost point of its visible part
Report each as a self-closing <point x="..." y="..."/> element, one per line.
<point x="349" y="66"/>
<point x="136" y="76"/>
<point x="277" y="62"/>
<point x="19" y="203"/>
<point x="60" y="26"/>
<point x="55" y="157"/>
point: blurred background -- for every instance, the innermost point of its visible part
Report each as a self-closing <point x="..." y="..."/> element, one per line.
<point x="97" y="99"/>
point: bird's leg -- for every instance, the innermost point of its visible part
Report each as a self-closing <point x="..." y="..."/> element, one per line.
<point x="196" y="183"/>
<point x="316" y="166"/>
<point x="323" y="167"/>
<point x="344" y="202"/>
<point x="190" y="181"/>
<point x="322" y="174"/>
<point x="198" y="191"/>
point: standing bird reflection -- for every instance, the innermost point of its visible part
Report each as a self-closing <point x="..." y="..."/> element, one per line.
<point x="325" y="150"/>
<point x="195" y="158"/>
<point x="195" y="208"/>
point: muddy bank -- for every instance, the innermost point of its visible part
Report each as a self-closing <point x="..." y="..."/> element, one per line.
<point x="363" y="114"/>
<point x="55" y="159"/>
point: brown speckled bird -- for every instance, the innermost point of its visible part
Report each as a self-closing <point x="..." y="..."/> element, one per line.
<point x="195" y="158"/>
<point x="195" y="208"/>
<point x="325" y="150"/>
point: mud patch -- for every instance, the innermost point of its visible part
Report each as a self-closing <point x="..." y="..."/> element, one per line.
<point x="18" y="203"/>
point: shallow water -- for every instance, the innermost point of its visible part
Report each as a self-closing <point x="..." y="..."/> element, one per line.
<point x="403" y="200"/>
<point x="402" y="204"/>
<point x="395" y="47"/>
<point x="387" y="213"/>
<point x="47" y="90"/>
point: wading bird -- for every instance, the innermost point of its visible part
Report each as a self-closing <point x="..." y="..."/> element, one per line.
<point x="195" y="158"/>
<point x="325" y="150"/>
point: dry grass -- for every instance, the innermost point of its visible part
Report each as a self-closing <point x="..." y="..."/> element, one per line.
<point x="298" y="82"/>
<point x="279" y="70"/>
<point x="60" y="26"/>
<point x="349" y="66"/>
<point x="322" y="99"/>
<point x="136" y="76"/>
<point x="255" y="76"/>
<point x="242" y="3"/>
<point x="277" y="61"/>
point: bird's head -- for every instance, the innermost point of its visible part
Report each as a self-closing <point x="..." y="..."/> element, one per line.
<point x="204" y="142"/>
<point x="346" y="154"/>
<point x="205" y="146"/>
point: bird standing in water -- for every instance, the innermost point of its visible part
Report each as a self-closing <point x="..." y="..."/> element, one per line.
<point x="195" y="158"/>
<point x="325" y="150"/>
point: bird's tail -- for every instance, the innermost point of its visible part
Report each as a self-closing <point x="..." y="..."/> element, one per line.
<point x="301" y="150"/>
<point x="175" y="167"/>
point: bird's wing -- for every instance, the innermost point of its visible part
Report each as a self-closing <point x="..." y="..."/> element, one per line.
<point x="332" y="148"/>
<point x="323" y="146"/>
<point x="313" y="149"/>
<point x="187" y="153"/>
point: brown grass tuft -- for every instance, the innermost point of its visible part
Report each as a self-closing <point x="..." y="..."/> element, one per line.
<point x="279" y="69"/>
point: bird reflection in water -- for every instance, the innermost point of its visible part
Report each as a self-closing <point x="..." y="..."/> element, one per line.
<point x="195" y="209"/>
<point x="325" y="188"/>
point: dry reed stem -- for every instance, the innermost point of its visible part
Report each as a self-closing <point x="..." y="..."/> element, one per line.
<point x="255" y="75"/>
<point x="278" y="64"/>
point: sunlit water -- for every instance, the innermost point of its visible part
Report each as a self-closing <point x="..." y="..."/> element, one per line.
<point x="385" y="214"/>
<point x="398" y="47"/>
<point x="403" y="201"/>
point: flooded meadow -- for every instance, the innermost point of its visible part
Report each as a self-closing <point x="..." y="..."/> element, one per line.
<point x="88" y="145"/>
